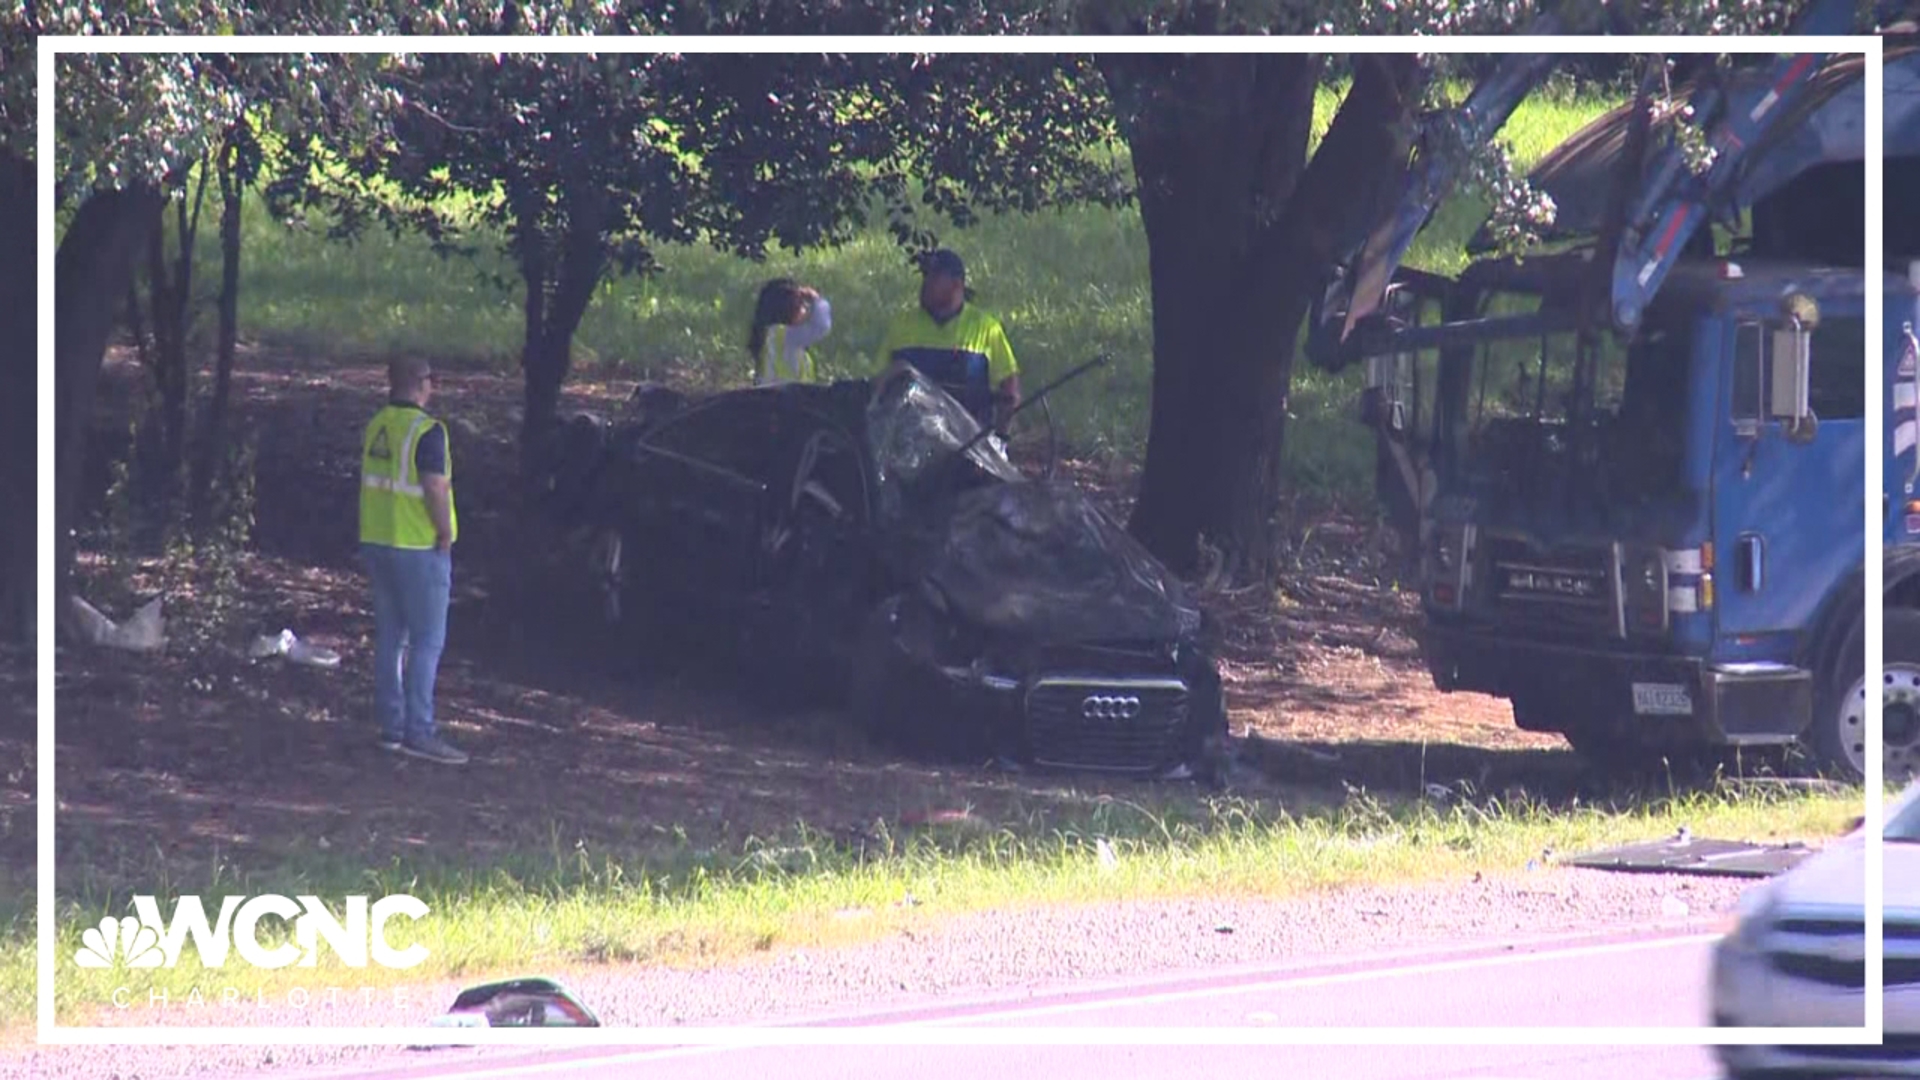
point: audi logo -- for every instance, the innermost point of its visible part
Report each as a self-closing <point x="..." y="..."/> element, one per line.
<point x="1110" y="707"/>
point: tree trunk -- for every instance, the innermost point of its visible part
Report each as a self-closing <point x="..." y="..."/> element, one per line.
<point x="213" y="443"/>
<point x="20" y="405"/>
<point x="557" y="299"/>
<point x="91" y="273"/>
<point x="1241" y="231"/>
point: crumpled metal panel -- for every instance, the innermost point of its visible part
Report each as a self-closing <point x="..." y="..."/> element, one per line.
<point x="1685" y="854"/>
<point x="1041" y="561"/>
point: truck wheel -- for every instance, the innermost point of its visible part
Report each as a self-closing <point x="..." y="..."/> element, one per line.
<point x="1839" y="736"/>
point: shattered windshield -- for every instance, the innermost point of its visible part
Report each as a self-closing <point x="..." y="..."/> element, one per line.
<point x="1540" y="413"/>
<point x="912" y="426"/>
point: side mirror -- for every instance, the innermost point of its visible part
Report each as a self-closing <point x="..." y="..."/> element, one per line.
<point x="1791" y="354"/>
<point x="530" y="1002"/>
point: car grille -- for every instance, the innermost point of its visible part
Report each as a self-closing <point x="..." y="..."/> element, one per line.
<point x="1563" y="589"/>
<point x="1118" y="724"/>
<point x="1892" y="1048"/>
<point x="1848" y="974"/>
<point x="1894" y="931"/>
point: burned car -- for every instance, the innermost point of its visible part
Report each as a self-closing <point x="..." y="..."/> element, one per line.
<point x="882" y="551"/>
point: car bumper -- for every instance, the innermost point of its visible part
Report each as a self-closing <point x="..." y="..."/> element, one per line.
<point x="1146" y="725"/>
<point x="1747" y="992"/>
<point x="1746" y="705"/>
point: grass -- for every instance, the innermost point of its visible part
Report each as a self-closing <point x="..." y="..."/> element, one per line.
<point x="573" y="907"/>
<point x="1068" y="284"/>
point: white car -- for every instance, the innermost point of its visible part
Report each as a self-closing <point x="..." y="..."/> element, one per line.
<point x="1795" y="957"/>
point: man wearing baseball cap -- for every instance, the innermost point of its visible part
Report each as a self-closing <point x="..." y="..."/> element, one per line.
<point x="955" y="344"/>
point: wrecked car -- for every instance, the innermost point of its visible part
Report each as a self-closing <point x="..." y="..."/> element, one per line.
<point x="881" y="550"/>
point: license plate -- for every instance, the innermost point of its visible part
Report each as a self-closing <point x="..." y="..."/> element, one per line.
<point x="1662" y="699"/>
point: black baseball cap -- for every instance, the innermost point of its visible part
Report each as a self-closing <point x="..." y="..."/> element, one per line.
<point x="943" y="261"/>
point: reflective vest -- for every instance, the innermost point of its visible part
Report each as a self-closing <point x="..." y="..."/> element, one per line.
<point x="968" y="355"/>
<point x="773" y="360"/>
<point x="393" y="504"/>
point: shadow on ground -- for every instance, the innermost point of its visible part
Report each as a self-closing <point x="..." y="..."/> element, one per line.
<point x="18" y="714"/>
<point x="198" y="756"/>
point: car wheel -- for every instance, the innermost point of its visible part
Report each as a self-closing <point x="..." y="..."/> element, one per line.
<point x="1838" y="737"/>
<point x="876" y="697"/>
<point x="564" y="463"/>
<point x="900" y="704"/>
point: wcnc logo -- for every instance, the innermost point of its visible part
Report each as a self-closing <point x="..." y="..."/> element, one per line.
<point x="145" y="940"/>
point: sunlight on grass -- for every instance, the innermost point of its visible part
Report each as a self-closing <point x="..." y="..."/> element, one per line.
<point x="576" y="906"/>
<point x="1068" y="285"/>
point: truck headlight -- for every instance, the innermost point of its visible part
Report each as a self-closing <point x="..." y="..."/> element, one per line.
<point x="1643" y="579"/>
<point x="1448" y="551"/>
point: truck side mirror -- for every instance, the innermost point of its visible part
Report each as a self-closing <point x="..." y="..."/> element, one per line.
<point x="1792" y="363"/>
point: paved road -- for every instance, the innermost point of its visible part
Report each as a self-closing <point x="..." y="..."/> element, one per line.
<point x="1620" y="980"/>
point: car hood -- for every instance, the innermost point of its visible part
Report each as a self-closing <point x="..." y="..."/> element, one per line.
<point x="1836" y="878"/>
<point x="1040" y="561"/>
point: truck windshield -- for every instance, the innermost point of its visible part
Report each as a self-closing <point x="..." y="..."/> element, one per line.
<point x="1539" y="414"/>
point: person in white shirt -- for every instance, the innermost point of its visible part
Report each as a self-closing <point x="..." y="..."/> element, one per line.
<point x="787" y="319"/>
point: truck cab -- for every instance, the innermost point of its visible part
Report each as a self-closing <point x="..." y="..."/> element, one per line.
<point x="1631" y="545"/>
<point x="1640" y="514"/>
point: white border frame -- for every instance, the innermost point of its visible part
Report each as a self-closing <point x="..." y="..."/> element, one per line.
<point x="48" y="1031"/>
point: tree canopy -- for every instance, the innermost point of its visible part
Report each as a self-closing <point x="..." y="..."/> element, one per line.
<point x="585" y="163"/>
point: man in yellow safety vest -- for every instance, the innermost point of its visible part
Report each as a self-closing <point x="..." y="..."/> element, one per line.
<point x="954" y="343"/>
<point x="407" y="530"/>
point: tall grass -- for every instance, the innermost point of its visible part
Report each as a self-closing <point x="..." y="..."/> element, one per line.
<point x="572" y="906"/>
<point x="1068" y="284"/>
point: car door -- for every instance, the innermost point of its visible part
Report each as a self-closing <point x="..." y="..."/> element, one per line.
<point x="703" y="479"/>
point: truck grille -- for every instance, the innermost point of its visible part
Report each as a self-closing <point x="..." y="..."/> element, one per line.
<point x="1565" y="589"/>
<point x="1117" y="724"/>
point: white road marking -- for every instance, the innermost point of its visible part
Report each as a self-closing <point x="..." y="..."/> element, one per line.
<point x="1299" y="982"/>
<point x="582" y="1064"/>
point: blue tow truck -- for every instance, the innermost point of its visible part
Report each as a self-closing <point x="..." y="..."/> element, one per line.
<point x="1633" y="462"/>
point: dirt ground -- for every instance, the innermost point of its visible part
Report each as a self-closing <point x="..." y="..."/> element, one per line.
<point x="198" y="754"/>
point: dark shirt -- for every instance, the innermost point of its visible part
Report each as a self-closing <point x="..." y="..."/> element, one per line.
<point x="430" y="453"/>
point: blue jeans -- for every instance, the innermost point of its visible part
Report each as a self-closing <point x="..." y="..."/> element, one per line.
<point x="410" y="595"/>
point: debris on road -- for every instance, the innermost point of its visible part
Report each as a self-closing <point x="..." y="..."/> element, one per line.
<point x="1682" y="853"/>
<point x="524" y="1002"/>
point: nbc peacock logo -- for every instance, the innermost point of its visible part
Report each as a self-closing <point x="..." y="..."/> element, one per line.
<point x="115" y="940"/>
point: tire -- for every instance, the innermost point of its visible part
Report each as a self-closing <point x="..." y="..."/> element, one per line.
<point x="894" y="705"/>
<point x="875" y="697"/>
<point x="1837" y="737"/>
<point x="565" y="460"/>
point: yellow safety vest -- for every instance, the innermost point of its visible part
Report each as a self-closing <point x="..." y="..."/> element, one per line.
<point x="773" y="360"/>
<point x="393" y="504"/>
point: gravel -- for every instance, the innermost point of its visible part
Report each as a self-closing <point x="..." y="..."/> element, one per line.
<point x="924" y="961"/>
